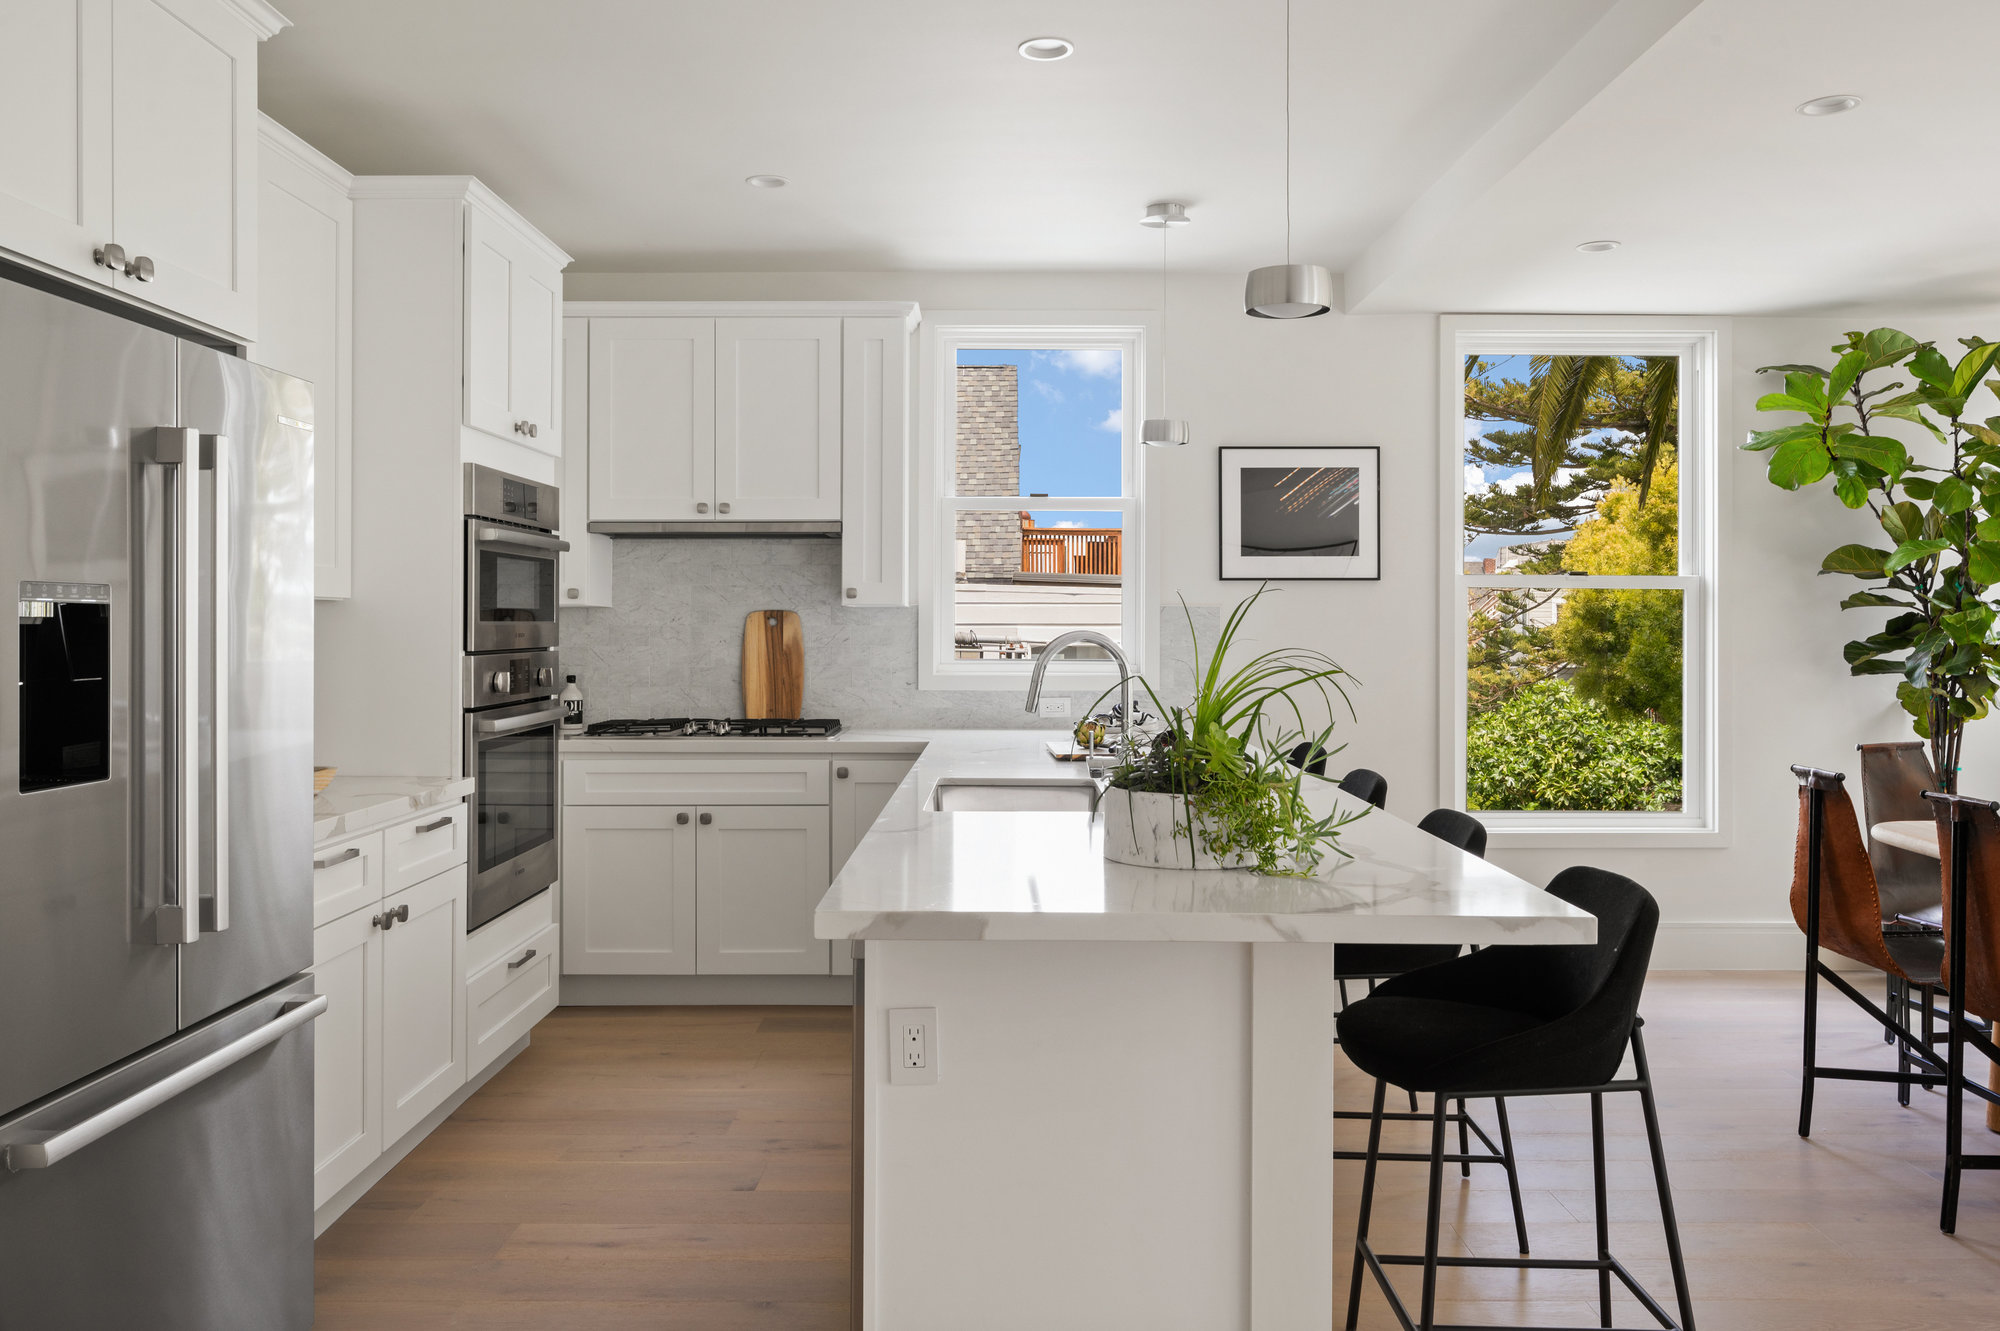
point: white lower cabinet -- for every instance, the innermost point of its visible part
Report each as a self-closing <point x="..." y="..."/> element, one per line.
<point x="628" y="889"/>
<point x="861" y="790"/>
<point x="347" y="1051"/>
<point x="759" y="872"/>
<point x="505" y="999"/>
<point x="423" y="996"/>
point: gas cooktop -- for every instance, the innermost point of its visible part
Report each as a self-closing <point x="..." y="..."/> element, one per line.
<point x="716" y="727"/>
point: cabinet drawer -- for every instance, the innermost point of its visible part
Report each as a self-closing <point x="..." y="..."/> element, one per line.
<point x="695" y="781"/>
<point x="424" y="847"/>
<point x="511" y="932"/>
<point x="347" y="876"/>
<point x="506" y="999"/>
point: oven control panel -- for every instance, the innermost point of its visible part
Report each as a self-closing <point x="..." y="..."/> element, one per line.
<point x="492" y="678"/>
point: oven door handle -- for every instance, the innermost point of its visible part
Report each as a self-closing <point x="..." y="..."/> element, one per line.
<point x="508" y="536"/>
<point x="483" y="726"/>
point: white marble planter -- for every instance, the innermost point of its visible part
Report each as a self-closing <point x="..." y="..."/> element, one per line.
<point x="1139" y="829"/>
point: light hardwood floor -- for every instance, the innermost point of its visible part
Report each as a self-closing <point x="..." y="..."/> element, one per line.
<point x="687" y="1168"/>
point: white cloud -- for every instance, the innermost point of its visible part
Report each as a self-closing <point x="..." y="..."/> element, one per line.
<point x="1098" y="362"/>
<point x="1114" y="420"/>
<point x="1048" y="390"/>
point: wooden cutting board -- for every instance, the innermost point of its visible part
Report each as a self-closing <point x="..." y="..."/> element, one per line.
<point x="774" y="665"/>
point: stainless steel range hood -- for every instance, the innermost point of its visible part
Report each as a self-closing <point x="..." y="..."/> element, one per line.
<point x="711" y="529"/>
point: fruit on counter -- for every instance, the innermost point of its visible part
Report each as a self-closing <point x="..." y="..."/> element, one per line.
<point x="1090" y="734"/>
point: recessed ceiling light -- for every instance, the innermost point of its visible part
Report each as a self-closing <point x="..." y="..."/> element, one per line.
<point x="1829" y="106"/>
<point x="1597" y="246"/>
<point x="766" y="182"/>
<point x="1046" y="48"/>
<point x="1159" y="215"/>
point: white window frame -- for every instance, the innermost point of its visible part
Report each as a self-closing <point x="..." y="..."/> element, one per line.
<point x="1703" y="347"/>
<point x="946" y="333"/>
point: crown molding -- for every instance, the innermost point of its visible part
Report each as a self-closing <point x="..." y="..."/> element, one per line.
<point x="906" y="310"/>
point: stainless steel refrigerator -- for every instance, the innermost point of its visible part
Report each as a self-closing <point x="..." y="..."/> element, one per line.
<point x="155" y="830"/>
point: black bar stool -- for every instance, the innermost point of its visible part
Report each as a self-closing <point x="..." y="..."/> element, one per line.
<point x="1381" y="961"/>
<point x="1519" y="1021"/>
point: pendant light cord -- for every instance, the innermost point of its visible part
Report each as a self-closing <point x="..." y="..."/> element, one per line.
<point x="1288" y="132"/>
<point x="1163" y="322"/>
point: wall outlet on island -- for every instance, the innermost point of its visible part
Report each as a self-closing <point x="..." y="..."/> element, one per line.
<point x="913" y="1047"/>
<point x="1054" y="706"/>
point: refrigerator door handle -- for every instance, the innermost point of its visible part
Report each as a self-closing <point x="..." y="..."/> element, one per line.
<point x="42" y="1149"/>
<point x="178" y="449"/>
<point x="215" y="461"/>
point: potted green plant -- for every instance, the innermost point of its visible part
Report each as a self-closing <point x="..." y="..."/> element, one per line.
<point x="1941" y="517"/>
<point x="1214" y="789"/>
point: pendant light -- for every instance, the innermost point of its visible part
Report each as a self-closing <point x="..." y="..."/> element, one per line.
<point x="1163" y="431"/>
<point x="1288" y="290"/>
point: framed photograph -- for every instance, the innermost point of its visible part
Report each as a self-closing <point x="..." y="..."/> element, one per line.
<point x="1301" y="513"/>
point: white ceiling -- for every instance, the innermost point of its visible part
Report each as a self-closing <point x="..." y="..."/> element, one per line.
<point x="1449" y="154"/>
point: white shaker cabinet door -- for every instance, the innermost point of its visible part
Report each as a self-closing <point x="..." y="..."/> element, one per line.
<point x="534" y="352"/>
<point x="184" y="157"/>
<point x="628" y="890"/>
<point x="586" y="565"/>
<point x="875" y="463"/>
<point x="652" y="420"/>
<point x="761" y="871"/>
<point x="347" y="1051"/>
<point x="55" y="104"/>
<point x="777" y="419"/>
<point x="861" y="790"/>
<point x="423" y="1000"/>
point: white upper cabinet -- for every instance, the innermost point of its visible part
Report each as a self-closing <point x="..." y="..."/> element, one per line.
<point x="652" y="419"/>
<point x="305" y="325"/>
<point x="55" y="101"/>
<point x="875" y="463"/>
<point x="132" y="130"/>
<point x="513" y="332"/>
<point x="777" y="419"/>
<point x="586" y="565"/>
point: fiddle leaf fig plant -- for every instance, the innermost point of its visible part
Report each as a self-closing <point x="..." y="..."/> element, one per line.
<point x="1938" y="567"/>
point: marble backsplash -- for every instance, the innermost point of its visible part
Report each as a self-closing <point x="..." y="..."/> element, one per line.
<point x="672" y="644"/>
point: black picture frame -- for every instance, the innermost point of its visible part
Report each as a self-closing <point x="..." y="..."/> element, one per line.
<point x="1318" y="509"/>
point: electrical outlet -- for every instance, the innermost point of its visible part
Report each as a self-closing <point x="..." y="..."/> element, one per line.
<point x="913" y="1046"/>
<point x="1054" y="706"/>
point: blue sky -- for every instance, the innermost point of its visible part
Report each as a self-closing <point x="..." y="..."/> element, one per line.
<point x="1069" y="417"/>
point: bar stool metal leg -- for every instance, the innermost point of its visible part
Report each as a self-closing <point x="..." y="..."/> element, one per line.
<point x="1513" y="1174"/>
<point x="1434" y="1215"/>
<point x="1367" y="1201"/>
<point x="1603" y="1209"/>
<point x="1668" y="1221"/>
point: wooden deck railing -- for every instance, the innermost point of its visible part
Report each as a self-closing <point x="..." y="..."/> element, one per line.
<point x="1089" y="550"/>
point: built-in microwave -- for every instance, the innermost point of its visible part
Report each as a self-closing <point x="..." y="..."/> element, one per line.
<point x="511" y="554"/>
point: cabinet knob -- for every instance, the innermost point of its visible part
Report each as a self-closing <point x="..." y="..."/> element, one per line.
<point x="574" y="594"/>
<point x="110" y="256"/>
<point x="141" y="268"/>
<point x="534" y="430"/>
<point x="840" y="772"/>
<point x="520" y="427"/>
<point x="707" y="818"/>
<point x="722" y="508"/>
<point x="681" y="818"/>
<point x="701" y="508"/>
<point x="852" y="593"/>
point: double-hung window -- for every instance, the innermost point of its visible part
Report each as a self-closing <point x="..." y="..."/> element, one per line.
<point x="1030" y="499"/>
<point x="1578" y="607"/>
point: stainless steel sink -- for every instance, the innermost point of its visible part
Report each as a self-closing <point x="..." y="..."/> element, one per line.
<point x="1065" y="796"/>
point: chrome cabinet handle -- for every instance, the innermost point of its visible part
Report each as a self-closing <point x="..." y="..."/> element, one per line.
<point x="521" y="960"/>
<point x="722" y="508"/>
<point x="388" y="919"/>
<point x="55" y="1147"/>
<point x="109" y="256"/>
<point x="707" y="818"/>
<point x="445" y="821"/>
<point x="215" y="461"/>
<point x="177" y="450"/>
<point x="701" y="508"/>
<point x="141" y="268"/>
<point x="840" y="772"/>
<point x="681" y="818"/>
<point x="351" y="853"/>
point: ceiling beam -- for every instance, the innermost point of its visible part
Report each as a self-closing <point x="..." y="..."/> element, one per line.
<point x="1626" y="31"/>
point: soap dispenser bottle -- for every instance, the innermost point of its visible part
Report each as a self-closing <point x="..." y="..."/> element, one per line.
<point x="571" y="698"/>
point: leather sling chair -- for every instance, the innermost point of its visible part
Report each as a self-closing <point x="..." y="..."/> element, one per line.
<point x="1969" y="835"/>
<point x="1838" y="907"/>
<point x="1894" y="777"/>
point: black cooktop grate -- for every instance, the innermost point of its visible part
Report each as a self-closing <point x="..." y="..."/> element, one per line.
<point x="703" y="727"/>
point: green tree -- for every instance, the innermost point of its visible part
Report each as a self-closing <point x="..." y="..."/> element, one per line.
<point x="1548" y="748"/>
<point x="1626" y="645"/>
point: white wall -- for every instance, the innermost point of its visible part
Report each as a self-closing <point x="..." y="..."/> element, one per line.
<point x="1786" y="696"/>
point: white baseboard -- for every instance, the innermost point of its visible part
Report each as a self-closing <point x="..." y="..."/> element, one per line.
<point x="1735" y="945"/>
<point x="698" y="990"/>
<point x="337" y="1205"/>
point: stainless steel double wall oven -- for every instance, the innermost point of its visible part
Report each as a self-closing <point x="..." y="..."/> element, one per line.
<point x="510" y="685"/>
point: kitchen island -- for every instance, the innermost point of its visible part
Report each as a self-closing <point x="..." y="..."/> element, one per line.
<point x="1125" y="1114"/>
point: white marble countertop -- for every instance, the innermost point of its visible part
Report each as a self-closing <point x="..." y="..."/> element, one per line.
<point x="920" y="874"/>
<point x="351" y="805"/>
<point x="898" y="743"/>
